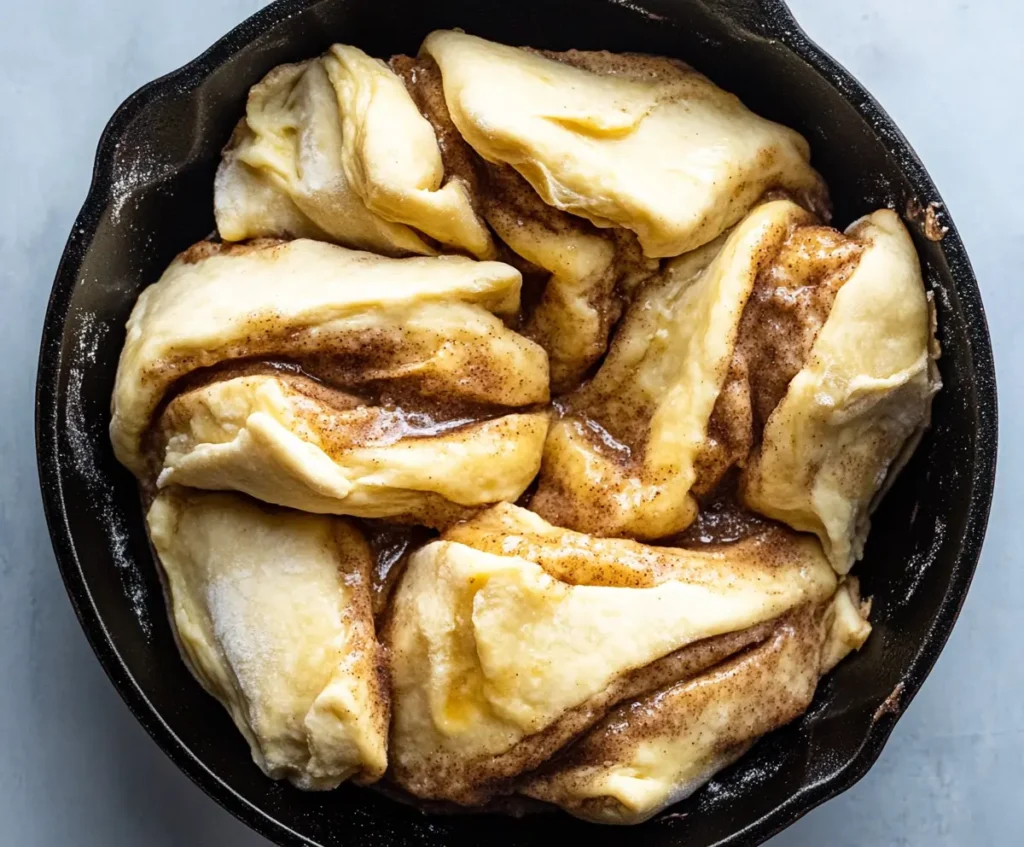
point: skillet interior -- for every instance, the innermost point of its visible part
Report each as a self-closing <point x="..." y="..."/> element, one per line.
<point x="151" y="197"/>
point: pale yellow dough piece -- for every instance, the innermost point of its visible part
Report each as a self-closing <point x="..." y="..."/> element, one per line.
<point x="260" y="435"/>
<point x="272" y="614"/>
<point x="647" y="144"/>
<point x="494" y="656"/>
<point x="661" y="378"/>
<point x="854" y="413"/>
<point x="646" y="755"/>
<point x="335" y="148"/>
<point x="431" y="322"/>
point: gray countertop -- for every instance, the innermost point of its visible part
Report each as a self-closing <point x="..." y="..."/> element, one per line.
<point x="77" y="769"/>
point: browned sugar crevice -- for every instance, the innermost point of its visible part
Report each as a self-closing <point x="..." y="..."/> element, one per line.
<point x="390" y="417"/>
<point x="746" y="670"/>
<point x="343" y="420"/>
<point x="791" y="298"/>
<point x="356" y="568"/>
<point x="391" y="546"/>
<point x="577" y="558"/>
<point x="721" y="519"/>
<point x="365" y="362"/>
<point x="789" y="303"/>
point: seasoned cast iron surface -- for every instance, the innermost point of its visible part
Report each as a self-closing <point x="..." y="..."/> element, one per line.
<point x="152" y="196"/>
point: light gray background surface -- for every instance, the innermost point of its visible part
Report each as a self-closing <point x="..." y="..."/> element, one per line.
<point x="76" y="769"/>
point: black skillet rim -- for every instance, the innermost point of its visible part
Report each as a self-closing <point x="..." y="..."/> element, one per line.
<point x="787" y="30"/>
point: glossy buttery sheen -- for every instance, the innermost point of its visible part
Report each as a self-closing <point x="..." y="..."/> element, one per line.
<point x="430" y="325"/>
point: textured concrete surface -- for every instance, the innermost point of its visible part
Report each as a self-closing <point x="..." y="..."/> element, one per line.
<point x="77" y="770"/>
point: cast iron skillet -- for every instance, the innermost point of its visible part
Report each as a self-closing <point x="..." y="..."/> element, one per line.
<point x="151" y="197"/>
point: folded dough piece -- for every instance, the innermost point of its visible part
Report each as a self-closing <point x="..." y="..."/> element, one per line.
<point x="591" y="271"/>
<point x="640" y="142"/>
<point x="334" y="148"/>
<point x="670" y="408"/>
<point x="428" y="325"/>
<point x="592" y="274"/>
<point x="272" y="614"/>
<point x="659" y="749"/>
<point x="501" y="655"/>
<point x="854" y="413"/>
<point x="288" y="440"/>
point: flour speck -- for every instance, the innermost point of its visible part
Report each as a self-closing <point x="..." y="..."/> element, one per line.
<point x="84" y="436"/>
